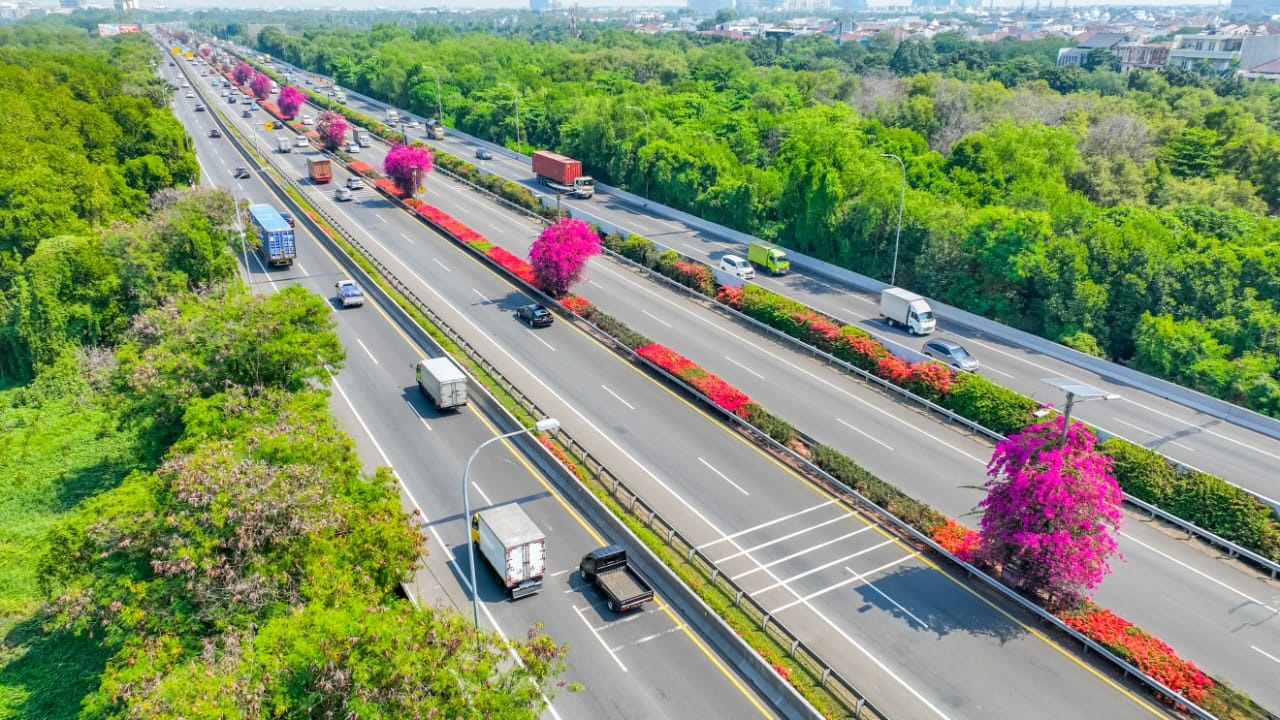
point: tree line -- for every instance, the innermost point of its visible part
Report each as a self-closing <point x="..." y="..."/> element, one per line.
<point x="1125" y="215"/>
<point x="223" y="553"/>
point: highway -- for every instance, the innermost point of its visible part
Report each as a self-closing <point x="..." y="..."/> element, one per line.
<point x="904" y="632"/>
<point x="649" y="663"/>
<point x="1219" y="615"/>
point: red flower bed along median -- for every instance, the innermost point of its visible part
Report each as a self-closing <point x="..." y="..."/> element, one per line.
<point x="515" y="265"/>
<point x="1149" y="654"/>
<point x="718" y="391"/>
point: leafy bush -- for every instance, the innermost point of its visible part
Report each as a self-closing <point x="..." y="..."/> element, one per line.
<point x="618" y="329"/>
<point x="770" y="424"/>
<point x="638" y="249"/>
<point x="992" y="406"/>
<point x="905" y="508"/>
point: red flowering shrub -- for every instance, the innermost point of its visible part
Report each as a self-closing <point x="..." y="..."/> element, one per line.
<point x="563" y="457"/>
<point x="894" y="369"/>
<point x="577" y="304"/>
<point x="391" y="189"/>
<point x="731" y="296"/>
<point x="360" y="167"/>
<point x="956" y="539"/>
<point x="1147" y="653"/>
<point x="861" y="351"/>
<point x="930" y="380"/>
<point x="514" y="264"/>
<point x="414" y="203"/>
<point x="716" y="390"/>
<point x="696" y="276"/>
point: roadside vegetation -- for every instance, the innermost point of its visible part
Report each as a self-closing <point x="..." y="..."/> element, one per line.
<point x="185" y="531"/>
<point x="1125" y="215"/>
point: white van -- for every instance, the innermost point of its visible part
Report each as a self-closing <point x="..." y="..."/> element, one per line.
<point x="737" y="266"/>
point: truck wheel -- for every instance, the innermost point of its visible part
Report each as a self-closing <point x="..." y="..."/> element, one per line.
<point x="583" y="573"/>
<point x="613" y="605"/>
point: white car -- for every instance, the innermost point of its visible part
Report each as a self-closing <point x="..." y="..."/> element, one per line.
<point x="737" y="266"/>
<point x="410" y="123"/>
<point x="190" y="94"/>
<point x="343" y="194"/>
<point x="308" y="120"/>
<point x="301" y="141"/>
<point x="353" y="147"/>
<point x="355" y="183"/>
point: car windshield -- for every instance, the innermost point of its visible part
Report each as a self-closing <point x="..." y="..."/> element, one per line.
<point x="960" y="353"/>
<point x="539" y="312"/>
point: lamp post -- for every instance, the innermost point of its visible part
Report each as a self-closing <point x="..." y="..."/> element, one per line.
<point x="902" y="199"/>
<point x="244" y="252"/>
<point x="543" y="425"/>
<point x="645" y="115"/>
<point x="439" y="103"/>
<point x="516" y="93"/>
<point x="1076" y="391"/>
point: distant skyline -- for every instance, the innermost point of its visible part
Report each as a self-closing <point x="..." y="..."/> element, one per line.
<point x="459" y="5"/>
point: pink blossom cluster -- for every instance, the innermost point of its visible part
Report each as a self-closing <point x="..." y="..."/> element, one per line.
<point x="560" y="253"/>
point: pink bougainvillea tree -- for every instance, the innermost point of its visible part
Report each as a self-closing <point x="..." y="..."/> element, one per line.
<point x="559" y="254"/>
<point x="1050" y="511"/>
<point x="407" y="165"/>
<point x="332" y="128"/>
<point x="242" y="73"/>
<point x="290" y="100"/>
<point x="260" y="84"/>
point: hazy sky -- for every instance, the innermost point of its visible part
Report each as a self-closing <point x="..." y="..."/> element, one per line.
<point x="523" y="4"/>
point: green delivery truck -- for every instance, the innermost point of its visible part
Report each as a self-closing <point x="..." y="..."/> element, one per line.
<point x="768" y="256"/>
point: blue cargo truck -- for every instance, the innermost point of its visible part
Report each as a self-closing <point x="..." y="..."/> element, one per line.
<point x="274" y="235"/>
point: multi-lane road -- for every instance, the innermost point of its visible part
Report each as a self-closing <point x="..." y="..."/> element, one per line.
<point x="648" y="664"/>
<point x="919" y="643"/>
<point x="1222" y="616"/>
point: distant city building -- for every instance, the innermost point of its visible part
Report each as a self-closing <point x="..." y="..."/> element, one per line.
<point x="1255" y="8"/>
<point x="1140" y="56"/>
<point x="1095" y="41"/>
<point x="125" y="5"/>
<point x="1231" y="49"/>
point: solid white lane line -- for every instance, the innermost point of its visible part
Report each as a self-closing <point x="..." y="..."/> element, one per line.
<point x="787" y="583"/>
<point x="445" y="302"/>
<point x="789" y="536"/>
<point x="863" y="434"/>
<point x="618" y="398"/>
<point x="367" y="352"/>
<point x="480" y="295"/>
<point x="723" y="476"/>
<point x="419" y="415"/>
<point x="1204" y="575"/>
<point x="744" y="367"/>
<point x="798" y="553"/>
<point x="1264" y="652"/>
<point x="539" y="338"/>
<point x="603" y="644"/>
<point x="484" y="497"/>
<point x="655" y="317"/>
<point x="761" y="526"/>
<point x="406" y="237"/>
<point x="882" y="594"/>
<point x="304" y="270"/>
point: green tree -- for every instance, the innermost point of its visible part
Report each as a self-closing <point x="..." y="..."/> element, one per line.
<point x="1194" y="153"/>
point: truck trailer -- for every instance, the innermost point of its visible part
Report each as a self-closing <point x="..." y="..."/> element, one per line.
<point x="513" y="546"/>
<point x="562" y="174"/>
<point x="319" y="170"/>
<point x="907" y="309"/>
<point x="442" y="382"/>
<point x="274" y="235"/>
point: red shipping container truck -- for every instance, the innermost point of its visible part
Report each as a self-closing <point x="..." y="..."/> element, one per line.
<point x="562" y="174"/>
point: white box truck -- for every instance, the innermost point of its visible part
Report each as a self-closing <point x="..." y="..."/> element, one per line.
<point x="442" y="382"/>
<point x="284" y="144"/>
<point x="513" y="546"/>
<point x="907" y="309"/>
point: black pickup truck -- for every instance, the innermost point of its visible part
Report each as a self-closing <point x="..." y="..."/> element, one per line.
<point x="606" y="568"/>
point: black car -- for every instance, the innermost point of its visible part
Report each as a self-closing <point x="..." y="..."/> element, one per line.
<point x="536" y="315"/>
<point x="215" y="133"/>
<point x="199" y="108"/>
<point x="483" y="154"/>
<point x="247" y="114"/>
<point x="242" y="172"/>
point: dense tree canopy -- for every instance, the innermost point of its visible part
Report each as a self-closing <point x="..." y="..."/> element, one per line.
<point x="1125" y="183"/>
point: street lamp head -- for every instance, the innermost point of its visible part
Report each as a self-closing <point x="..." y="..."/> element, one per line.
<point x="547" y="425"/>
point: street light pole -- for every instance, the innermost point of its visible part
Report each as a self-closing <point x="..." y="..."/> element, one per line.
<point x="244" y="252"/>
<point x="439" y="103"/>
<point x="902" y="199"/>
<point x="645" y="115"/>
<point x="517" y="96"/>
<point x="543" y="425"/>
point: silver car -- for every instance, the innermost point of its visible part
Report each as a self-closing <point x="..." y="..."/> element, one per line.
<point x="950" y="354"/>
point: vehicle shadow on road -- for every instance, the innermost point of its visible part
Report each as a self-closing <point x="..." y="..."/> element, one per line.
<point x="927" y="600"/>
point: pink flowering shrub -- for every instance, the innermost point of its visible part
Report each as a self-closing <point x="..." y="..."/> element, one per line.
<point x="559" y="254"/>
<point x="717" y="391"/>
<point x="407" y="165"/>
<point x="260" y="84"/>
<point x="242" y="73"/>
<point x="1050" y="510"/>
<point x="291" y="99"/>
<point x="332" y="128"/>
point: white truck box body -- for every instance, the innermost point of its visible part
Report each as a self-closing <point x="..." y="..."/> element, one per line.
<point x="907" y="309"/>
<point x="442" y="381"/>
<point x="514" y="547"/>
